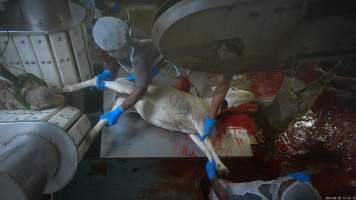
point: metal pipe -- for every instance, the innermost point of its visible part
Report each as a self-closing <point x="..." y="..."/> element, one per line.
<point x="26" y="165"/>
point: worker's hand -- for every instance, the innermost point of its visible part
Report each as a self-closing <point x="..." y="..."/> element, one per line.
<point x="155" y="71"/>
<point x="112" y="117"/>
<point x="105" y="75"/>
<point x="131" y="76"/>
<point x="300" y="176"/>
<point x="210" y="170"/>
<point x="208" y="126"/>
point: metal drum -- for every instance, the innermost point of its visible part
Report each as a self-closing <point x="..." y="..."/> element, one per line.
<point x="39" y="150"/>
<point x="46" y="38"/>
<point x="262" y="34"/>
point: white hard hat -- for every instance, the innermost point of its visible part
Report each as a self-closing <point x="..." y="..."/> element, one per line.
<point x="110" y="33"/>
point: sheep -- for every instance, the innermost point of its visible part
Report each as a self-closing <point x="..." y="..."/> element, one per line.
<point x="169" y="108"/>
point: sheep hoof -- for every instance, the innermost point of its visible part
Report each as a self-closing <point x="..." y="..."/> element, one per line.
<point x="66" y="89"/>
<point x="222" y="170"/>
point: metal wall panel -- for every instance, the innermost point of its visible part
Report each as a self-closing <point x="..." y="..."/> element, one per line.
<point x="11" y="55"/>
<point x="2" y="48"/>
<point x="7" y="114"/>
<point x="2" y="59"/>
<point x="59" y="58"/>
<point x="63" y="54"/>
<point x="79" y="129"/>
<point x="2" y="7"/>
<point x="88" y="47"/>
<point x="46" y="60"/>
<point x="27" y="55"/>
<point x="66" y="117"/>
<point x="80" y="54"/>
<point x="21" y="116"/>
<point x="26" y="115"/>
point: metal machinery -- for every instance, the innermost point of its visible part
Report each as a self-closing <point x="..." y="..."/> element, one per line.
<point x="263" y="34"/>
<point x="40" y="150"/>
<point x="47" y="39"/>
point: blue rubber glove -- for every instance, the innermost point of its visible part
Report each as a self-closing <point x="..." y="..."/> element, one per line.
<point x="115" y="8"/>
<point x="131" y="77"/>
<point x="155" y="72"/>
<point x="210" y="169"/>
<point x="208" y="126"/>
<point x="300" y="176"/>
<point x="112" y="117"/>
<point x="100" y="78"/>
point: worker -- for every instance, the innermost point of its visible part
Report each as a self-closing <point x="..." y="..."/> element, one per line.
<point x="295" y="186"/>
<point x="114" y="36"/>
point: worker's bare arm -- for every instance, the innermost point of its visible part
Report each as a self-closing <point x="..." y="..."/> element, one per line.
<point x="222" y="86"/>
<point x="143" y="80"/>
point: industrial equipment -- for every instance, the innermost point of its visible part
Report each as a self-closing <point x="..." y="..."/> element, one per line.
<point x="46" y="38"/>
<point x="263" y="34"/>
<point x="39" y="150"/>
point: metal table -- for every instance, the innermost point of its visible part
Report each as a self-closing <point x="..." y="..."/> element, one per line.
<point x="132" y="137"/>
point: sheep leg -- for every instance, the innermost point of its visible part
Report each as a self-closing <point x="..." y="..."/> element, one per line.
<point x="89" y="138"/>
<point x="223" y="170"/>
<point x="119" y="85"/>
<point x="93" y="133"/>
<point x="201" y="146"/>
<point x="79" y="86"/>
<point x="219" y="165"/>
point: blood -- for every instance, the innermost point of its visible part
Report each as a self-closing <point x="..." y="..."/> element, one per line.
<point x="176" y="179"/>
<point x="307" y="75"/>
<point x="183" y="84"/>
<point x="265" y="84"/>
<point x="235" y="117"/>
<point x="188" y="151"/>
<point x="246" y="108"/>
<point x="239" y="141"/>
<point x="323" y="140"/>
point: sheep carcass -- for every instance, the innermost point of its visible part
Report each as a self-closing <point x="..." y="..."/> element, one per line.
<point x="169" y="108"/>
